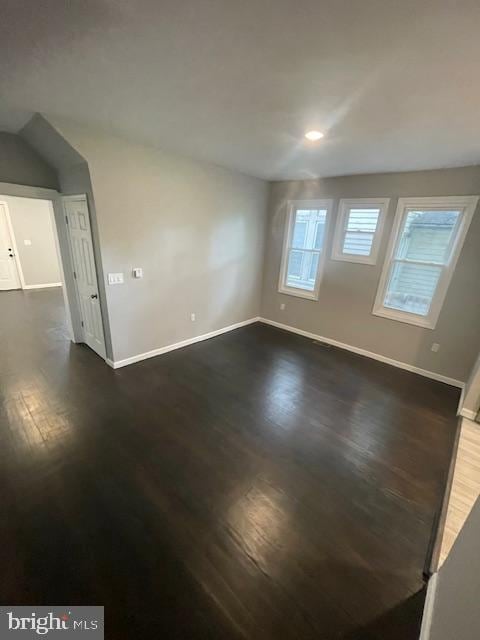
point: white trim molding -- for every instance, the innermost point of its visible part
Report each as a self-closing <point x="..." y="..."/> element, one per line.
<point x="468" y="413"/>
<point x="116" y="364"/>
<point x="429" y="607"/>
<point x="369" y="354"/>
<point x="292" y="207"/>
<point x="13" y="240"/>
<point x="25" y="191"/>
<point x="42" y="286"/>
<point x="344" y="207"/>
<point x="466" y="205"/>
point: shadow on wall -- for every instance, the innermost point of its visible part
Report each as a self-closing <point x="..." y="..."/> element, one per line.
<point x="228" y="252"/>
<point x="21" y="164"/>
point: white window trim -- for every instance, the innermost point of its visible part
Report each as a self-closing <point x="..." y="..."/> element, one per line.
<point x="467" y="204"/>
<point x="343" y="209"/>
<point x="292" y="206"/>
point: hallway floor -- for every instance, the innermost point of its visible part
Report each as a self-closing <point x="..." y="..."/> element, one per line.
<point x="465" y="485"/>
<point x="255" y="485"/>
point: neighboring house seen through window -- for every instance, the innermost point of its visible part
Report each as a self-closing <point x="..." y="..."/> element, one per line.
<point x="426" y="241"/>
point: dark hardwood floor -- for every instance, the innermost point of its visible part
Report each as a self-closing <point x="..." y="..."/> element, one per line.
<point x="255" y="485"/>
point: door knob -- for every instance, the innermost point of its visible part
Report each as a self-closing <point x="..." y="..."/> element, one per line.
<point x="93" y="296"/>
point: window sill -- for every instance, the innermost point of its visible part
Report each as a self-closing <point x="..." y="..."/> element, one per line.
<point x="408" y="318"/>
<point x="299" y="293"/>
<point x="343" y="257"/>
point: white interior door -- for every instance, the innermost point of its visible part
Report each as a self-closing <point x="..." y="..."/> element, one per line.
<point x="8" y="267"/>
<point x="85" y="273"/>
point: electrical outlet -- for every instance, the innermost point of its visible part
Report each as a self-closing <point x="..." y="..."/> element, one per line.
<point x="192" y="317"/>
<point x="435" y="347"/>
<point x="282" y="307"/>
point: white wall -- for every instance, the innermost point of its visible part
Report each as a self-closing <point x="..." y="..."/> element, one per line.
<point x="452" y="610"/>
<point x="32" y="221"/>
<point x="196" y="229"/>
<point x="471" y="400"/>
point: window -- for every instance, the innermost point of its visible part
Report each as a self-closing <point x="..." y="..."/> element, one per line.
<point x="359" y="230"/>
<point x="303" y="249"/>
<point x="426" y="241"/>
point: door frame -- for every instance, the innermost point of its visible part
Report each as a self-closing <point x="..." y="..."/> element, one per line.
<point x="16" y="259"/>
<point x="83" y="197"/>
<point x="62" y="243"/>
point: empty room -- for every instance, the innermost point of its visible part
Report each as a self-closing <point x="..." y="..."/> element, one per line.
<point x="240" y="320"/>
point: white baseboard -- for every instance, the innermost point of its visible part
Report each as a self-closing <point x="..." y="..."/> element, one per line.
<point x="43" y="286"/>
<point x="466" y="413"/>
<point x="116" y="364"/>
<point x="429" y="608"/>
<point x="461" y="401"/>
<point x="363" y="352"/>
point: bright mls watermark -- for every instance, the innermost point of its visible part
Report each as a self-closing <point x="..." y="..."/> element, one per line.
<point x="51" y="622"/>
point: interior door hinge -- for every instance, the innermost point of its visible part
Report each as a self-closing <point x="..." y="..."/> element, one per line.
<point x="75" y="275"/>
<point x="81" y="321"/>
<point x="66" y="219"/>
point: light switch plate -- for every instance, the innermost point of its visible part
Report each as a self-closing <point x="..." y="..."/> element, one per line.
<point x="137" y="272"/>
<point x="115" y="278"/>
<point x="27" y="243"/>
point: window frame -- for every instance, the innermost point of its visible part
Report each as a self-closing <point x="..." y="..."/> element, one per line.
<point x="344" y="207"/>
<point x="292" y="206"/>
<point x="467" y="206"/>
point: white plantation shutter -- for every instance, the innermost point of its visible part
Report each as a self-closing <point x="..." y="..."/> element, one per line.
<point x="358" y="231"/>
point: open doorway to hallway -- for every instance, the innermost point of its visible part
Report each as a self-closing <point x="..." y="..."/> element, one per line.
<point x="31" y="300"/>
<point x="29" y="257"/>
<point x="47" y="267"/>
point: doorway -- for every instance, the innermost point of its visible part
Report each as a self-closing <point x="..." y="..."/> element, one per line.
<point x="45" y="242"/>
<point x="9" y="277"/>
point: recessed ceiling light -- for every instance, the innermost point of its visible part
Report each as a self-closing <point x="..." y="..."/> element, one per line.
<point x="314" y="135"/>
